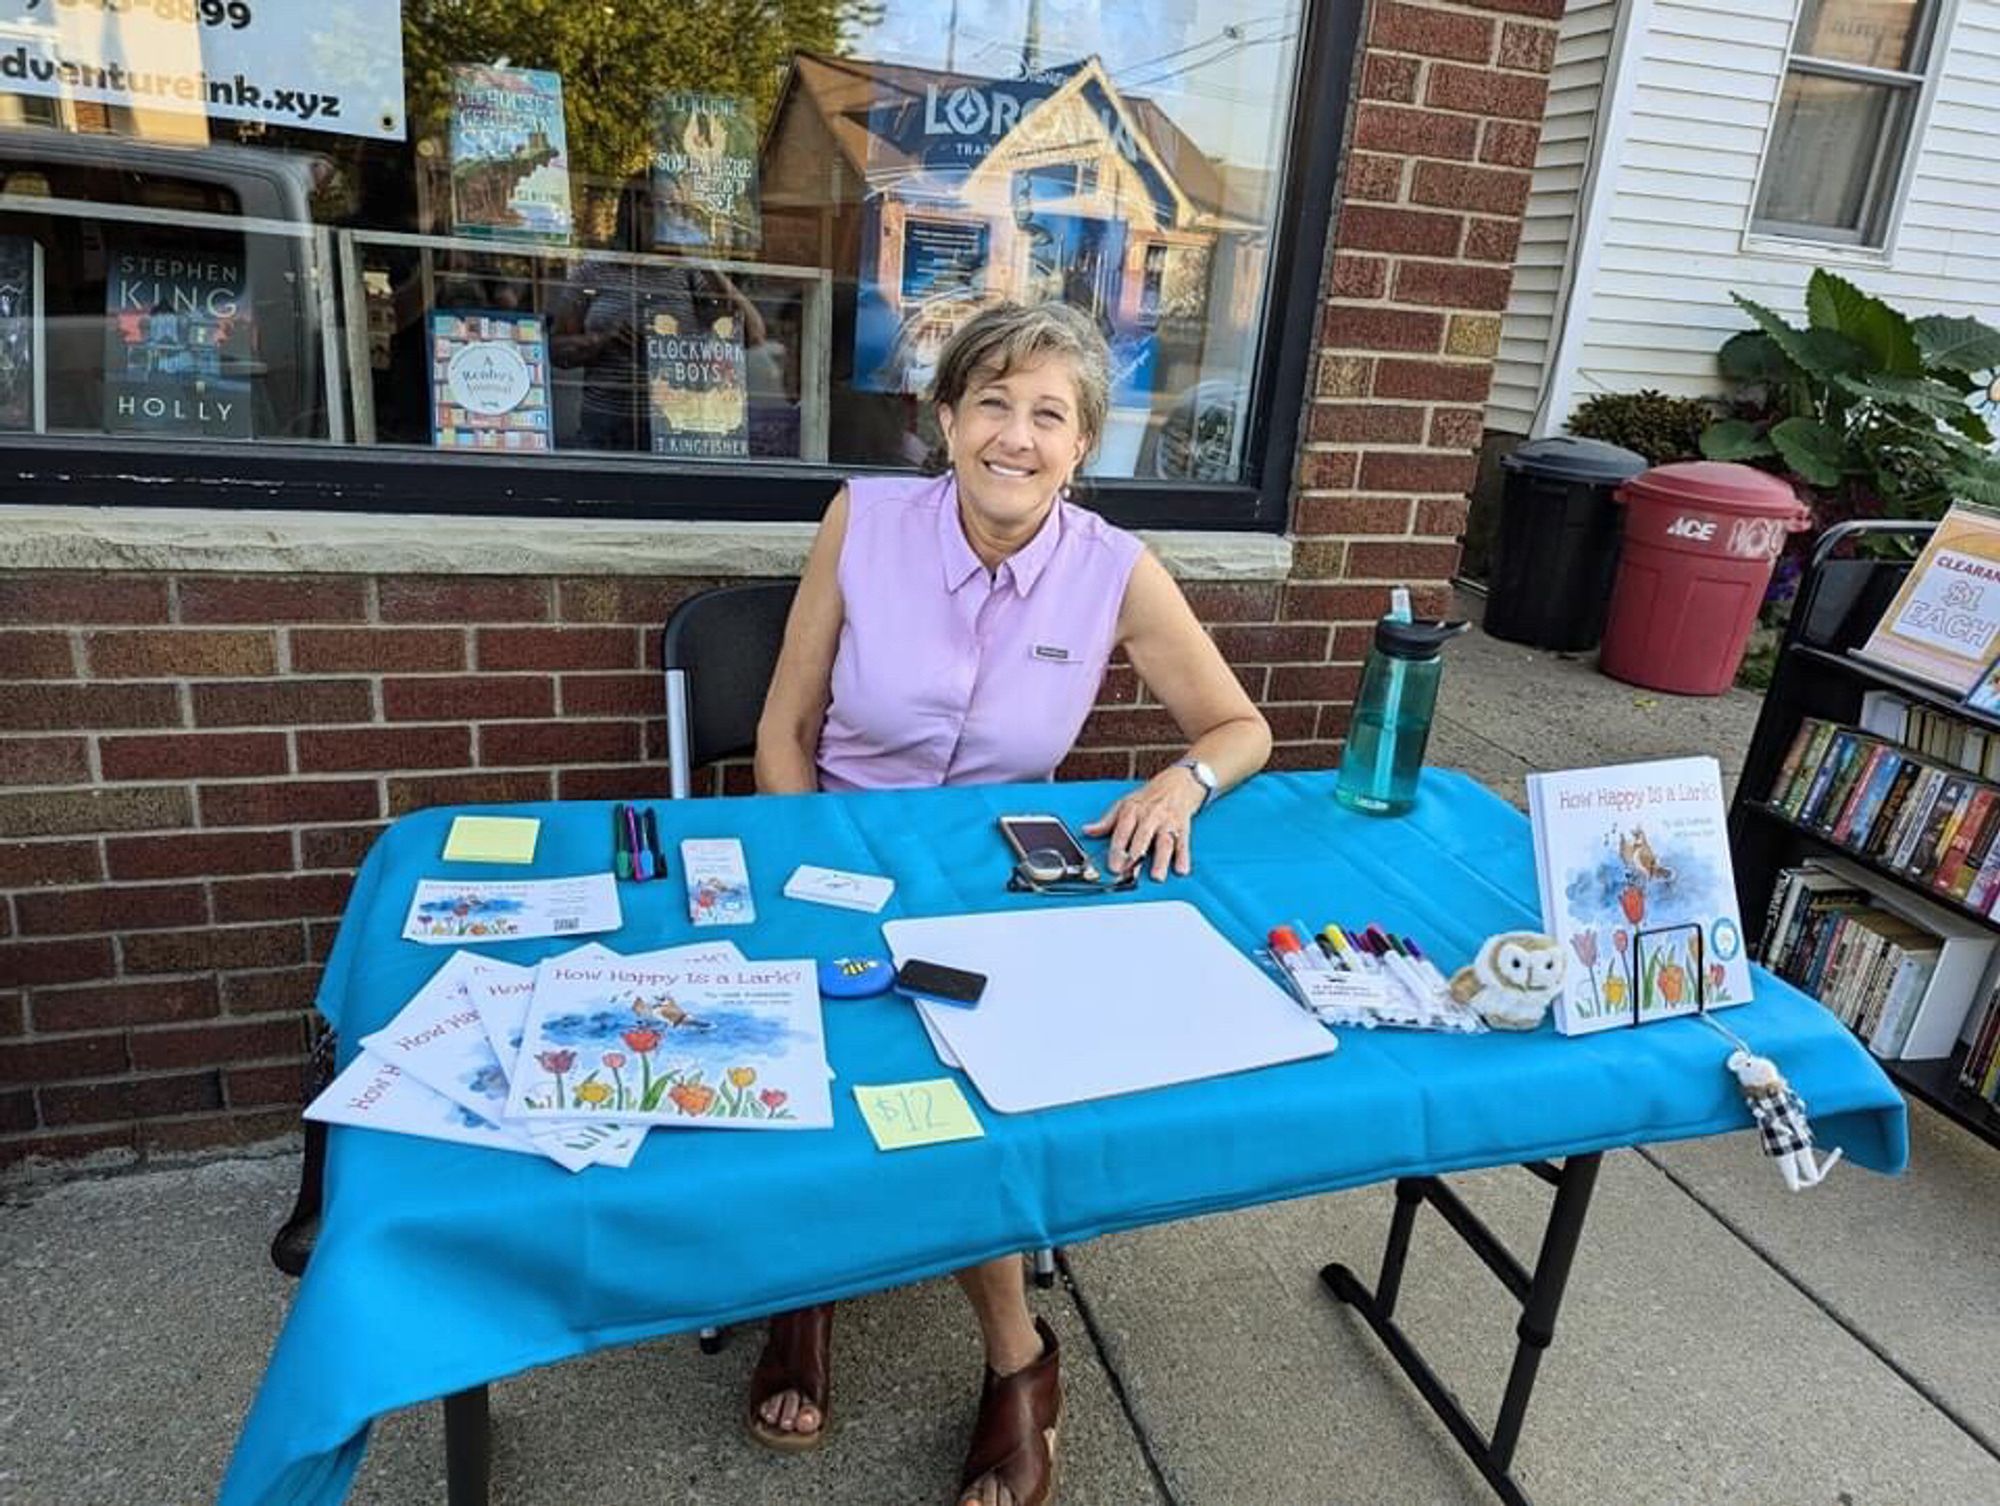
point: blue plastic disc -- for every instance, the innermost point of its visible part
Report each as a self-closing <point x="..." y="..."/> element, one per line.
<point x="855" y="977"/>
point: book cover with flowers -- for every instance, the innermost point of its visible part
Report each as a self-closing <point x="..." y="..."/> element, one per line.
<point x="736" y="1045"/>
<point x="1638" y="891"/>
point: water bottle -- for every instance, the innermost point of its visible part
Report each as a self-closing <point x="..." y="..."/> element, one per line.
<point x="1392" y="717"/>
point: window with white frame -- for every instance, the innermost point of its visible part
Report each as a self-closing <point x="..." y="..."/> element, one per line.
<point x="1839" y="143"/>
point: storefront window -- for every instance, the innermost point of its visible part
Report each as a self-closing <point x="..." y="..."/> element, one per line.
<point x="676" y="232"/>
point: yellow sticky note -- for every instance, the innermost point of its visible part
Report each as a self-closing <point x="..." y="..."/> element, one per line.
<point x="903" y="1114"/>
<point x="492" y="839"/>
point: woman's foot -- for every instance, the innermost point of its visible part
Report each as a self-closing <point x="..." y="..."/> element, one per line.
<point x="791" y="1386"/>
<point x="1012" y="1460"/>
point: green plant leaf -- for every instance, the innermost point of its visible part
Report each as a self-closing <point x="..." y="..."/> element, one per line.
<point x="1964" y="345"/>
<point x="1811" y="449"/>
<point x="1735" y="439"/>
<point x="1821" y="353"/>
<point x="1921" y="394"/>
<point x="1833" y="303"/>
<point x="1750" y="355"/>
<point x="1974" y="484"/>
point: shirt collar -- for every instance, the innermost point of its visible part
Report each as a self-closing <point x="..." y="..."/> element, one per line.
<point x="1023" y="568"/>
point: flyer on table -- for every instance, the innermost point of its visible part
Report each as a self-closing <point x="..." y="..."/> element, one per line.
<point x="448" y="912"/>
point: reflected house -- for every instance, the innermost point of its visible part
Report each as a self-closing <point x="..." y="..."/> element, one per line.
<point x="931" y="194"/>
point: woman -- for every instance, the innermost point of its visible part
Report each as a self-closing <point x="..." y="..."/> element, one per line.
<point x="954" y="630"/>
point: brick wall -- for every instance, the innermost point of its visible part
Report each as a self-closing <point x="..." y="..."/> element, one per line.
<point x="192" y="765"/>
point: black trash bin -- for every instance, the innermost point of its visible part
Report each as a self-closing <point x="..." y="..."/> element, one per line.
<point x="1556" y="549"/>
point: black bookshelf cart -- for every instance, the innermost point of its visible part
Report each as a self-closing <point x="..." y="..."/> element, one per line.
<point x="1854" y="572"/>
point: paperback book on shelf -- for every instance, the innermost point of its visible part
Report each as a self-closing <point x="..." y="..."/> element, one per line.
<point x="1943" y="626"/>
<point x="1636" y="885"/>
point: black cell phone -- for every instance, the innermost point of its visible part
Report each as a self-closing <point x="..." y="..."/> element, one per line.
<point x="1051" y="835"/>
<point x="945" y="985"/>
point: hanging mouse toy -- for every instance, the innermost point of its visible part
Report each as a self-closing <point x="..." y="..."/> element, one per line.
<point x="1781" y="1119"/>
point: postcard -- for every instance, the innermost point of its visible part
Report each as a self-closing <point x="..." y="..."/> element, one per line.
<point x="449" y="912"/>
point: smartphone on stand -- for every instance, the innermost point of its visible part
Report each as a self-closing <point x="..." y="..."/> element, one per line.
<point x="1047" y="838"/>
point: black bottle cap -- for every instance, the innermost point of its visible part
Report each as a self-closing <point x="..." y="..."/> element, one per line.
<point x="1415" y="640"/>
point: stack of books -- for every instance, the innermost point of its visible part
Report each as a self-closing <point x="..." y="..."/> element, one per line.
<point x="1870" y="967"/>
<point x="1931" y="732"/>
<point x="1980" y="1072"/>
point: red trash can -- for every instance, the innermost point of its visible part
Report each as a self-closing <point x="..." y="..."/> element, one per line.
<point x="1701" y="540"/>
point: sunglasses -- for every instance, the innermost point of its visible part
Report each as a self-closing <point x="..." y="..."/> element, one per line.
<point x="1047" y="871"/>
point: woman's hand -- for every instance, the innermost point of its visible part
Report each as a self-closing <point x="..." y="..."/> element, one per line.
<point x="1155" y="819"/>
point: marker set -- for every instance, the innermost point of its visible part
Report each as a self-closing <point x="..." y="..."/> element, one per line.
<point x="635" y="843"/>
<point x="1367" y="977"/>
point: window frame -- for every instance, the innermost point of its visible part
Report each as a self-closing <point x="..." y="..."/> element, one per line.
<point x="1890" y="173"/>
<point x="279" y="475"/>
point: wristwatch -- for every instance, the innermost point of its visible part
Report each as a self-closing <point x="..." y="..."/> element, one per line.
<point x="1203" y="776"/>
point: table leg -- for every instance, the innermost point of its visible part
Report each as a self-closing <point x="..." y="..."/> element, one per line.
<point x="468" y="1448"/>
<point x="1539" y="1294"/>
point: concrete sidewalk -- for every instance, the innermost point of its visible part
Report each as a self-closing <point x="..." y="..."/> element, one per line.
<point x="1721" y="1341"/>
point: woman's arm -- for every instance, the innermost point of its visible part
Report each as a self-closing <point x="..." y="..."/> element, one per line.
<point x="802" y="682"/>
<point x="1179" y="663"/>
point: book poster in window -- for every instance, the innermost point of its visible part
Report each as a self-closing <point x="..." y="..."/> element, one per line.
<point x="179" y="343"/>
<point x="509" y="155"/>
<point x="490" y="382"/>
<point x="705" y="172"/>
<point x="21" y="368"/>
<point x="697" y="397"/>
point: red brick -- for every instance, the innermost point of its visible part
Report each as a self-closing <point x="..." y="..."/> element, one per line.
<point x="1315" y="682"/>
<point x="185" y="651"/>
<point x="1335" y="604"/>
<point x="288" y="802"/>
<point x="281" y="703"/>
<point x="114" y="1006"/>
<point x="1328" y="470"/>
<point x="74" y="912"/>
<point x="36" y="962"/>
<point x="1392" y="78"/>
<point x="337" y="846"/>
<point x="43" y="760"/>
<point x="80" y="598"/>
<point x="1101" y="763"/>
<point x="199" y="854"/>
<point x="272" y="598"/>
<point x="54" y="813"/>
<point x="1527" y="46"/>
<point x="1441" y="516"/>
<point x="1548" y="10"/>
<point x="13" y="1017"/>
<point x="1434" y="381"/>
<point x="320" y="937"/>
<point x="1431" y="33"/>
<point x="414" y="793"/>
<point x="214" y="1044"/>
<point x="1408" y="132"/>
<point x="1507" y="143"/>
<point x="277" y="991"/>
<point x="1456" y="429"/>
<point x="1493" y="240"/>
<point x="377" y="650"/>
<point x="1225" y="601"/>
<point x="612" y="695"/>
<point x="1290" y="722"/>
<point x="314" y="895"/>
<point x="1295" y="757"/>
<point x="558" y="648"/>
<point x="1443" y="284"/>
<point x="37" y="656"/>
<point x="646" y="600"/>
<point x="26" y="864"/>
<point x="1288" y="644"/>
<point x="1489" y="190"/>
<point x="462" y="598"/>
<point x="1403" y="560"/>
<point x="17" y="1112"/>
<point x="213" y="948"/>
<point x="645" y="781"/>
<point x="1391" y="472"/>
<point x="141" y="1098"/>
<point x="538" y="745"/>
<point x="1353" y="640"/>
<point x="1365" y="423"/>
<point x="72" y="708"/>
<point x="1358" y="276"/>
<point x="1372" y="177"/>
<point x="256" y="1087"/>
<point x="371" y="749"/>
<point x="168" y="1137"/>
<point x="1345" y="515"/>
<point x="469" y="698"/>
<point x="63" y="1058"/>
<point x="1483" y="91"/>
<point x="1412" y="232"/>
<point x="1350" y="327"/>
<point x="194" y="755"/>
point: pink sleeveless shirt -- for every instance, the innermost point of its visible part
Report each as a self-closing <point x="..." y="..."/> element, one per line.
<point x="949" y="674"/>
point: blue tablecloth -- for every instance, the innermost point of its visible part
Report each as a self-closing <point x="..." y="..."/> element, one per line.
<point x="442" y="1266"/>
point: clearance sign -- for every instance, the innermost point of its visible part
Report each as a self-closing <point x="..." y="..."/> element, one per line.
<point x="1944" y="625"/>
<point x="334" y="68"/>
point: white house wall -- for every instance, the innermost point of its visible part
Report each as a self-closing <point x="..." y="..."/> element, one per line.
<point x="1676" y="205"/>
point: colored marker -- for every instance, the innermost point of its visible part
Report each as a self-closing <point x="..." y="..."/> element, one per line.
<point x="642" y="861"/>
<point x="1290" y="952"/>
<point x="1399" y="968"/>
<point x="1425" y="966"/>
<point x="1342" y="947"/>
<point x="653" y="845"/>
<point x="1315" y="958"/>
<point x="621" y="859"/>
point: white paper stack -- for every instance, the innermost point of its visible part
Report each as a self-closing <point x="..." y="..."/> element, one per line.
<point x="833" y="886"/>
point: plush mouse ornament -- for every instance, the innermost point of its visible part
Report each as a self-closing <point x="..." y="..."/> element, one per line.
<point x="1781" y="1119"/>
<point x="1513" y="979"/>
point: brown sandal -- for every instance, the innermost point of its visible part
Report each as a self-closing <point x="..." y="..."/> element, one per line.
<point x="798" y="1356"/>
<point x="1020" y="1421"/>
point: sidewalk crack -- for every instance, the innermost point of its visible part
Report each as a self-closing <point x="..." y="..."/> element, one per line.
<point x="1097" y="1344"/>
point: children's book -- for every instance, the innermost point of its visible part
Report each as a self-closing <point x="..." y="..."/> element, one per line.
<point x="490" y="382"/>
<point x="1944" y="624"/>
<point x="378" y="1094"/>
<point x="509" y="154"/>
<point x="503" y="991"/>
<point x="1637" y="888"/>
<point x="705" y="172"/>
<point x="449" y="912"/>
<point x="647" y="1041"/>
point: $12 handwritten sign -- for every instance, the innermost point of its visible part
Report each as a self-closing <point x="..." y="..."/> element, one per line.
<point x="905" y="1114"/>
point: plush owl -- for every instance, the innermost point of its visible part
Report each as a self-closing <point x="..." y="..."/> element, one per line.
<point x="1513" y="979"/>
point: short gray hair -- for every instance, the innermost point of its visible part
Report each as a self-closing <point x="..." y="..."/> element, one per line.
<point x="1009" y="336"/>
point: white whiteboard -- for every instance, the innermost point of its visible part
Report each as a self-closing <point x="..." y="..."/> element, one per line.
<point x="1089" y="1002"/>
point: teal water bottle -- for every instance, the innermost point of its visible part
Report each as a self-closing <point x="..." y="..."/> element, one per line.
<point x="1392" y="717"/>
